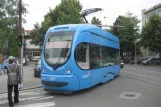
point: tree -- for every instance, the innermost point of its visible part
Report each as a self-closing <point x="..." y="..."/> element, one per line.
<point x="36" y="34"/>
<point x="67" y="12"/>
<point x="109" y="30"/>
<point x="151" y="34"/>
<point x="96" y="21"/>
<point x="128" y="34"/>
<point x="9" y="27"/>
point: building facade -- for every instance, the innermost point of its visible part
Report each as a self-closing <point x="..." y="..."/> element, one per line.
<point x="32" y="52"/>
<point x="145" y="19"/>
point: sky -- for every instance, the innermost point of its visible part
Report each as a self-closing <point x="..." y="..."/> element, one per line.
<point x="112" y="9"/>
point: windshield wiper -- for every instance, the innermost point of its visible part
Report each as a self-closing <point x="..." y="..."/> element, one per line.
<point x="56" y="65"/>
<point x="67" y="49"/>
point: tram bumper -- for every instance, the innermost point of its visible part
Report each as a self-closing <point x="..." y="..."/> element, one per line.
<point x="60" y="82"/>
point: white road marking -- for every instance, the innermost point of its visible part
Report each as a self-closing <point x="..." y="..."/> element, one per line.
<point x="142" y="75"/>
<point x="43" y="98"/>
<point x="36" y="98"/>
<point x="22" y="94"/>
<point x="142" y="70"/>
<point x="28" y="93"/>
<point x="45" y="104"/>
<point x="31" y="98"/>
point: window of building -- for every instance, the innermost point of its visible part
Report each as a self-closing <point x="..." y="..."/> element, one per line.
<point x="36" y="54"/>
<point x="28" y="41"/>
<point x="159" y="13"/>
<point x="147" y="19"/>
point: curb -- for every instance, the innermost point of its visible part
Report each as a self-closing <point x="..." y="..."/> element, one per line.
<point x="39" y="86"/>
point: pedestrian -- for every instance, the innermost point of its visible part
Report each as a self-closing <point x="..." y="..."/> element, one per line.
<point x="14" y="80"/>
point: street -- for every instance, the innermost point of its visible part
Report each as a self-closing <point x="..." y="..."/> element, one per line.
<point x="137" y="86"/>
<point x="71" y="45"/>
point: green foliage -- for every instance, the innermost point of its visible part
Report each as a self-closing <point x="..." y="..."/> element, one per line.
<point x="37" y="34"/>
<point x="109" y="30"/>
<point x="151" y="34"/>
<point x="96" y="21"/>
<point x="127" y="34"/>
<point x="9" y="27"/>
<point x="67" y="12"/>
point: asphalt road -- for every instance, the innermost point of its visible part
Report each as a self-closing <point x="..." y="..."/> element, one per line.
<point x="137" y="86"/>
<point x="149" y="74"/>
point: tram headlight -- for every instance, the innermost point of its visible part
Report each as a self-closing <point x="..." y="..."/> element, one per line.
<point x="68" y="71"/>
<point x="43" y="70"/>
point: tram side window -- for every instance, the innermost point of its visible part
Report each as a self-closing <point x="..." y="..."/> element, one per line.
<point x="113" y="56"/>
<point x="95" y="56"/>
<point x="105" y="57"/>
<point x="117" y="57"/>
<point x="101" y="56"/>
<point x="82" y="56"/>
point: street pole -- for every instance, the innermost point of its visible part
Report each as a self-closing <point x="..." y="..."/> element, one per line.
<point x="20" y="25"/>
<point x="105" y="20"/>
<point x="20" y="33"/>
<point x="135" y="54"/>
<point x="138" y="40"/>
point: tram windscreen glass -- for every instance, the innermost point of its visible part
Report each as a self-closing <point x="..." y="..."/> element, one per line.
<point x="58" y="47"/>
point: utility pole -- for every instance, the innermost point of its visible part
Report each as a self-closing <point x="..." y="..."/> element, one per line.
<point x="135" y="55"/>
<point x="105" y="20"/>
<point x="135" y="61"/>
<point x="20" y="23"/>
<point x="20" y="33"/>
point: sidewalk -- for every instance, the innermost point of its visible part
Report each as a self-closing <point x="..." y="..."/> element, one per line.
<point x="3" y="78"/>
<point x="29" y="81"/>
<point x="1" y="71"/>
<point x="3" y="82"/>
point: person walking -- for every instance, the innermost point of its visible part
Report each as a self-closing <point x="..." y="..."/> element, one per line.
<point x="14" y="74"/>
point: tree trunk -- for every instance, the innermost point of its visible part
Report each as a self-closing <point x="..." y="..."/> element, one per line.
<point x="133" y="56"/>
<point x="121" y="54"/>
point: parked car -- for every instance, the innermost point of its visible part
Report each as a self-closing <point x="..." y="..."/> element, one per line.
<point x="126" y="60"/>
<point x="37" y="69"/>
<point x="139" y="61"/>
<point x="25" y="62"/>
<point x="156" y="61"/>
<point x="121" y="63"/>
<point x="6" y="62"/>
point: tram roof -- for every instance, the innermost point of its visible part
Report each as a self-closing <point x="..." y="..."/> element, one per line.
<point x="87" y="27"/>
